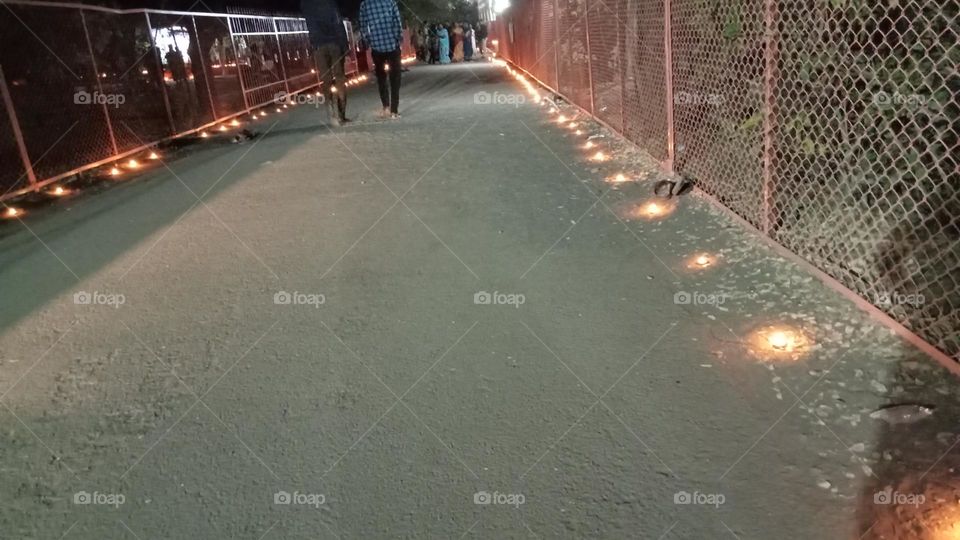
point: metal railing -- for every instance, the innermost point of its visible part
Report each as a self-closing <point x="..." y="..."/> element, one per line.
<point x="831" y="127"/>
<point x="83" y="86"/>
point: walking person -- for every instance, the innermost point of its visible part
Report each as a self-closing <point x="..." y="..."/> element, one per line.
<point x="468" y="43"/>
<point x="329" y="40"/>
<point x="383" y="32"/>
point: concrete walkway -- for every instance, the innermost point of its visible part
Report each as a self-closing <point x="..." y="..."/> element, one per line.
<point x="300" y="323"/>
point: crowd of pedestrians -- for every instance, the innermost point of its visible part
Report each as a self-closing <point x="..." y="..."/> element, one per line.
<point x="445" y="43"/>
<point x="381" y="30"/>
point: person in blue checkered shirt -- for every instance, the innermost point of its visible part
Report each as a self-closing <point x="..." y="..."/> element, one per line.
<point x="382" y="31"/>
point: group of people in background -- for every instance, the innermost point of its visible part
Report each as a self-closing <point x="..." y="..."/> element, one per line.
<point x="445" y="43"/>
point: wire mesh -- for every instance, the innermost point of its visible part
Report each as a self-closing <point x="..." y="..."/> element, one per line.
<point x="830" y="126"/>
<point x="574" y="67"/>
<point x="55" y="91"/>
<point x="88" y="84"/>
<point x="219" y="61"/>
<point x="13" y="174"/>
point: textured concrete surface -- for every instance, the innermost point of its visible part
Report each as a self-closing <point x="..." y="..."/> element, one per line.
<point x="612" y="385"/>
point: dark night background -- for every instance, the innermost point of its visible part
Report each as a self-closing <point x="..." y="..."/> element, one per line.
<point x="414" y="10"/>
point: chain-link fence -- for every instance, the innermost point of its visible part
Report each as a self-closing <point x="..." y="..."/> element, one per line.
<point x="82" y="86"/>
<point x="830" y="126"/>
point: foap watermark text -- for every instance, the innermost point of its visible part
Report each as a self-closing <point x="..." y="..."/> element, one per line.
<point x="96" y="298"/>
<point x="299" y="499"/>
<point x="82" y="97"/>
<point x="284" y="298"/>
<point x="497" y="98"/>
<point x="496" y="298"/>
<point x="507" y="499"/>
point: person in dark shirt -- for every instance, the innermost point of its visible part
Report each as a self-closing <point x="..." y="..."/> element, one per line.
<point x="329" y="39"/>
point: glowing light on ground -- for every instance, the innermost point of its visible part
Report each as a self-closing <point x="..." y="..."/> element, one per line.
<point x="779" y="343"/>
<point x="561" y="119"/>
<point x="133" y="164"/>
<point x="12" y="212"/>
<point x="204" y="134"/>
<point x="588" y="145"/>
<point x="618" y="178"/>
<point x="599" y="156"/>
<point x="651" y="210"/>
<point x="154" y="156"/>
<point x="701" y="261"/>
<point x="572" y="125"/>
<point x="223" y="128"/>
<point x="58" y="191"/>
<point x="115" y="171"/>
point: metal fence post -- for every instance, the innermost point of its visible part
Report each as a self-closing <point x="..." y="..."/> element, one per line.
<point x="556" y="41"/>
<point x="668" y="82"/>
<point x="96" y="75"/>
<point x="236" y="57"/>
<point x="593" y="108"/>
<point x="155" y="53"/>
<point x="283" y="67"/>
<point x="18" y="135"/>
<point x="770" y="55"/>
<point x="207" y="79"/>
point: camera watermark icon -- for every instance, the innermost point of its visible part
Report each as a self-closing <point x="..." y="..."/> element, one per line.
<point x="889" y="496"/>
<point x="497" y="98"/>
<point x="695" y="298"/>
<point x="301" y="98"/>
<point x="82" y="97"/>
<point x="284" y="298"/>
<point x="299" y="499"/>
<point x="96" y="298"/>
<point x="911" y="101"/>
<point x="897" y="299"/>
<point x="507" y="499"/>
<point x="705" y="499"/>
<point x="104" y="499"/>
<point x="693" y="98"/>
<point x="484" y="298"/>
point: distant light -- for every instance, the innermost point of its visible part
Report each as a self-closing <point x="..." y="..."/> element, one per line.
<point x="588" y="145"/>
<point x="204" y="135"/>
<point x="561" y="119"/>
<point x="495" y="42"/>
<point x="115" y="171"/>
<point x="58" y="191"/>
<point x="333" y="89"/>
<point x="703" y="260"/>
<point x="133" y="164"/>
<point x="223" y="128"/>
<point x="578" y="132"/>
<point x="234" y="122"/>
<point x="599" y="156"/>
<point x="144" y="72"/>
<point x="154" y="156"/>
<point x="279" y="110"/>
<point x="12" y="212"/>
<point x="313" y="71"/>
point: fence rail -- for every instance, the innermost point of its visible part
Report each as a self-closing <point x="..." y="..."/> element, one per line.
<point x="832" y="127"/>
<point x="82" y="86"/>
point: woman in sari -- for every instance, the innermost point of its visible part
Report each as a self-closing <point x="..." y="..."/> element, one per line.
<point x="444" y="40"/>
<point x="457" y="43"/>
